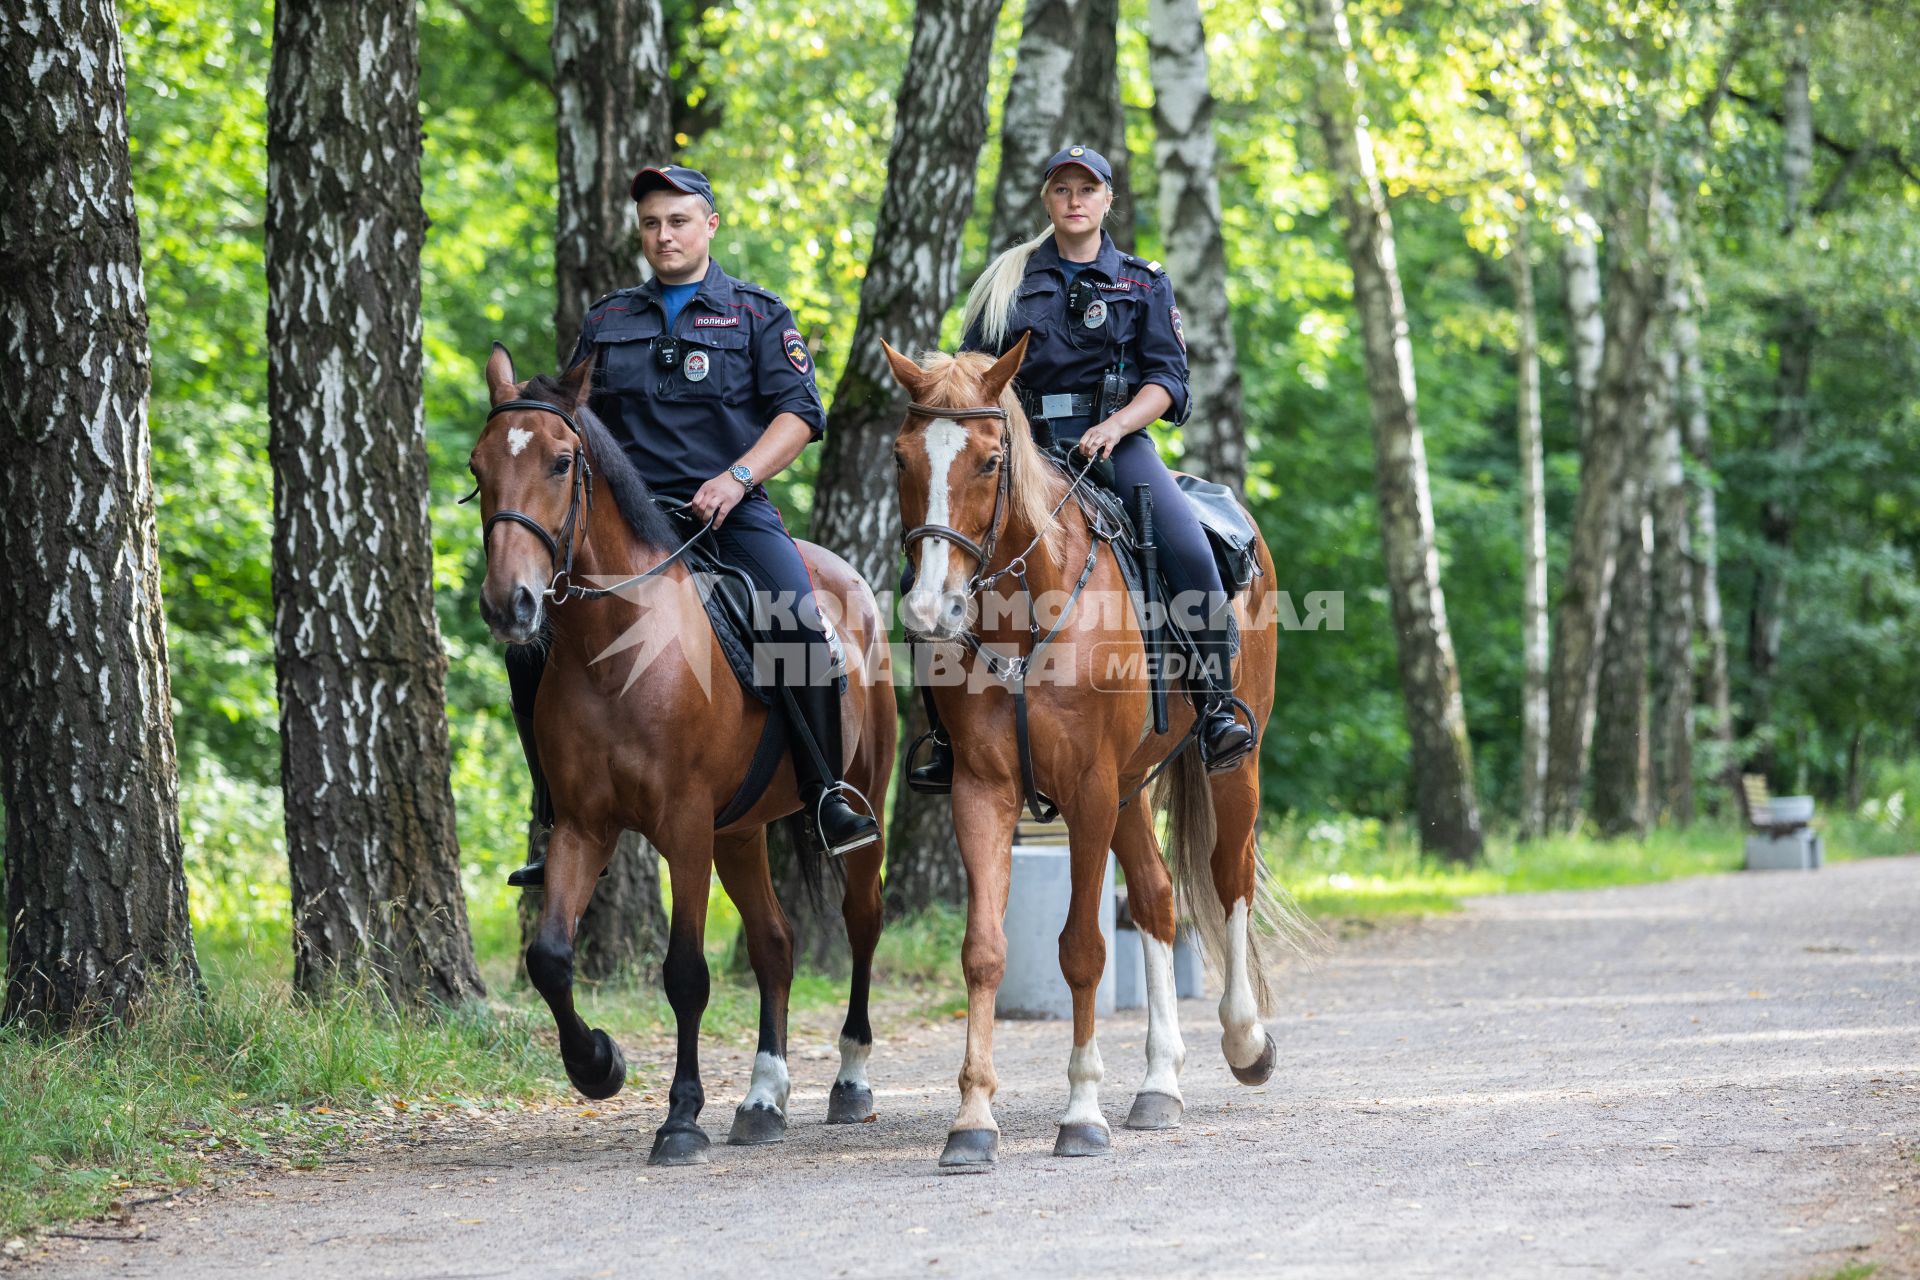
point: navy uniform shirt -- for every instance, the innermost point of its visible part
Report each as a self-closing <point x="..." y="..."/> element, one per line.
<point x="1137" y="323"/>
<point x="742" y="363"/>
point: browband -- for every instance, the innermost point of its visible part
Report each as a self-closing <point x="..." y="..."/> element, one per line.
<point x="965" y="411"/>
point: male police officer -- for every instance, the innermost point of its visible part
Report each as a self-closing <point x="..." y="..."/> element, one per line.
<point x="708" y="386"/>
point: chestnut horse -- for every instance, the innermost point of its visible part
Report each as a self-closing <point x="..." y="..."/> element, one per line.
<point x="984" y="510"/>
<point x="641" y="726"/>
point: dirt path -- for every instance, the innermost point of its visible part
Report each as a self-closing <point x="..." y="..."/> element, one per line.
<point x="1718" y="1077"/>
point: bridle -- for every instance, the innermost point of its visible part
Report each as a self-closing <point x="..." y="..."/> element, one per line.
<point x="562" y="587"/>
<point x="982" y="552"/>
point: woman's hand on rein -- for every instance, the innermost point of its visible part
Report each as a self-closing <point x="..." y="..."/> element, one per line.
<point x="1099" y="441"/>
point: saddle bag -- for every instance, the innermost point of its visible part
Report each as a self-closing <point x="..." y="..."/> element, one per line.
<point x="1229" y="531"/>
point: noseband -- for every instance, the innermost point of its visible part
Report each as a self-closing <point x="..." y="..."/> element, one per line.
<point x="582" y="489"/>
<point x="981" y="552"/>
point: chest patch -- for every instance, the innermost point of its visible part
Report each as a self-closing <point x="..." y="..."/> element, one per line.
<point x="698" y="365"/>
<point x="716" y="322"/>
<point x="1096" y="313"/>
<point x="517" y="440"/>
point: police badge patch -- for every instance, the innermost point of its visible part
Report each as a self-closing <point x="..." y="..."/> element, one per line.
<point x="1096" y="313"/>
<point x="796" y="349"/>
<point x="696" y="365"/>
<point x="1179" y="334"/>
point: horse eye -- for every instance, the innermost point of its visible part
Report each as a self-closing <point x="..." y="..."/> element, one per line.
<point x="990" y="466"/>
<point x="563" y="464"/>
<point x="899" y="462"/>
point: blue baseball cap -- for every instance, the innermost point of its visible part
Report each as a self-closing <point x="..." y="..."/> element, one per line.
<point x="1086" y="157"/>
<point x="673" y="177"/>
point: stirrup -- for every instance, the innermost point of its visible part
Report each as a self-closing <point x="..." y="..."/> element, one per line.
<point x="858" y="842"/>
<point x="1228" y="761"/>
<point x="923" y="786"/>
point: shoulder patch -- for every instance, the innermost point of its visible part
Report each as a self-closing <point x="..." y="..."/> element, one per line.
<point x="1179" y="333"/>
<point x="1152" y="268"/>
<point x="796" y="348"/>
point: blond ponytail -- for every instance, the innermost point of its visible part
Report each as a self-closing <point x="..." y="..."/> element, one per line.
<point x="991" y="300"/>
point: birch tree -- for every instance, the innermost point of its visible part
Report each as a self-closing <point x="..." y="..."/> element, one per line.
<point x="1184" y="155"/>
<point x="1442" y="762"/>
<point x="1031" y="120"/>
<point x="1533" y="541"/>
<point x="96" y="898"/>
<point x="371" y="841"/>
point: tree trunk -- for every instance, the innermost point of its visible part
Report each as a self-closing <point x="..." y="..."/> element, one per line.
<point x="1533" y="535"/>
<point x="912" y="275"/>
<point x="1586" y="323"/>
<point x="1673" y="588"/>
<point x="96" y="899"/>
<point x="1429" y="677"/>
<point x="613" y="105"/>
<point x="1794" y="330"/>
<point x="1215" y="434"/>
<point x="1586" y="586"/>
<point x="1030" y="123"/>
<point x="371" y="843"/>
<point x="1620" y="746"/>
<point x="1698" y="431"/>
<point x="1096" y="115"/>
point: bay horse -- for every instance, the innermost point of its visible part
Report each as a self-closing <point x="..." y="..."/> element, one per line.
<point x="641" y="725"/>
<point x="984" y="510"/>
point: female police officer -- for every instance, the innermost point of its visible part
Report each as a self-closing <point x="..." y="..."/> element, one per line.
<point x="707" y="385"/>
<point x="1101" y="320"/>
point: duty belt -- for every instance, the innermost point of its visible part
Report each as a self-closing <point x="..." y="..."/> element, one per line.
<point x="1058" y="405"/>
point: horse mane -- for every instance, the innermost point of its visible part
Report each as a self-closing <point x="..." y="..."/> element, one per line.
<point x="1035" y="485"/>
<point x="644" y="518"/>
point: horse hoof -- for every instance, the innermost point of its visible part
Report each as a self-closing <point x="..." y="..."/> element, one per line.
<point x="849" y="1103"/>
<point x="971" y="1149"/>
<point x="756" y="1126"/>
<point x="602" y="1076"/>
<point x="679" y="1146"/>
<point x="1083" y="1139"/>
<point x="1155" y="1111"/>
<point x="1260" y="1070"/>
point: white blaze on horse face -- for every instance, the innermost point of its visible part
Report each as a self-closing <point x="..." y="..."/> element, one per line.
<point x="769" y="1085"/>
<point x="943" y="440"/>
<point x="1166" y="1054"/>
<point x="517" y="440"/>
<point x="1242" y="1038"/>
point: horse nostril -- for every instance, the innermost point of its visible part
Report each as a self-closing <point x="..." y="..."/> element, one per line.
<point x="523" y="605"/>
<point x="955" y="610"/>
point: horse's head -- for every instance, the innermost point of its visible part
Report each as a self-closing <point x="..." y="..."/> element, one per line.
<point x="955" y="477"/>
<point x="525" y="465"/>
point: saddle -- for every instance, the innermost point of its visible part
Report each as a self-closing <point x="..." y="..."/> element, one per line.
<point x="726" y="593"/>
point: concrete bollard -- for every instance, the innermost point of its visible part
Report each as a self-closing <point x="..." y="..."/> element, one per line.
<point x="1130" y="968"/>
<point x="1036" y="912"/>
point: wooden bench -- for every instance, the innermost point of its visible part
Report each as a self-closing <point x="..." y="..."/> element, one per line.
<point x="1756" y="804"/>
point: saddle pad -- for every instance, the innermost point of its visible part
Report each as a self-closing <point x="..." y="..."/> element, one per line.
<point x="727" y="594"/>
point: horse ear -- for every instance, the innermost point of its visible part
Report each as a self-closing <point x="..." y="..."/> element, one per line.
<point x="579" y="380"/>
<point x="905" y="372"/>
<point x="500" y="383"/>
<point x="996" y="378"/>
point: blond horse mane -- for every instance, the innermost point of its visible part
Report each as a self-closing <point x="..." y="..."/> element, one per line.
<point x="954" y="382"/>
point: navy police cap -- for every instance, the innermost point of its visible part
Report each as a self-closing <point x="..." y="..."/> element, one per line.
<point x="673" y="177"/>
<point x="1086" y="157"/>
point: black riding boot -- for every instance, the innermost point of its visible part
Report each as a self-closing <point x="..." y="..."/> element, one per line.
<point x="524" y="669"/>
<point x="1225" y="741"/>
<point x="823" y="797"/>
<point x="935" y="777"/>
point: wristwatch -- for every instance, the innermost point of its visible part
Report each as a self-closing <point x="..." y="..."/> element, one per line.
<point x="741" y="472"/>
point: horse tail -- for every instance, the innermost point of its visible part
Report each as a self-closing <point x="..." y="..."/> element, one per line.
<point x="1274" y="922"/>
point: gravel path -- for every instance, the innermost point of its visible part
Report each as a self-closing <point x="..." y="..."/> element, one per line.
<point x="1717" y="1077"/>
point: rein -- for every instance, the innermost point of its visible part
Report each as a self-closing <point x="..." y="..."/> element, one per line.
<point x="1009" y="669"/>
<point x="562" y="588"/>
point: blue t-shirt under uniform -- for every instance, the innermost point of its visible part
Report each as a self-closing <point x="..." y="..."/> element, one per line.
<point x="674" y="297"/>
